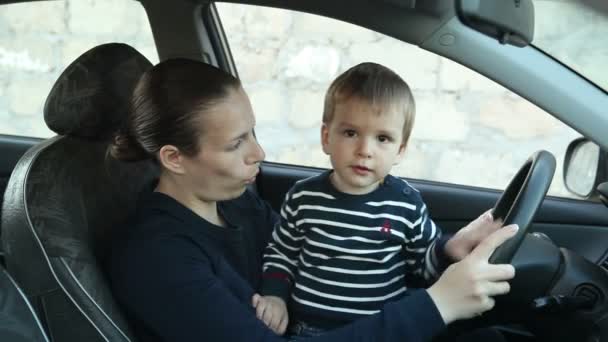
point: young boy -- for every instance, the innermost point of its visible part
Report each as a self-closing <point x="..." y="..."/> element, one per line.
<point x="354" y="237"/>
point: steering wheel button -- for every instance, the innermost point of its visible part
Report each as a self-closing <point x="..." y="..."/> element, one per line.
<point x="590" y="292"/>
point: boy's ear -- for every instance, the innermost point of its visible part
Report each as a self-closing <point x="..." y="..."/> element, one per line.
<point x="325" y="138"/>
<point x="400" y="153"/>
<point x="171" y="158"/>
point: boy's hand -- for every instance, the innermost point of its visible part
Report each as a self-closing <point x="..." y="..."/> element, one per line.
<point x="467" y="238"/>
<point x="466" y="288"/>
<point x="272" y="311"/>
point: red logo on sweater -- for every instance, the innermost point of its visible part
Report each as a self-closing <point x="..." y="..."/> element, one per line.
<point x="386" y="227"/>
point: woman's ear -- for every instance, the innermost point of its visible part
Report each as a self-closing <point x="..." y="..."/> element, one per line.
<point x="171" y="159"/>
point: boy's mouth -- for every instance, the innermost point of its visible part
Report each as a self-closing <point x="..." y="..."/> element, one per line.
<point x="359" y="169"/>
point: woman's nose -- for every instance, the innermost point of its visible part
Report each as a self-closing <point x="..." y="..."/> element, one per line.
<point x="257" y="153"/>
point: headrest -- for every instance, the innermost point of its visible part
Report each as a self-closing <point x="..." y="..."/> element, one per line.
<point x="92" y="96"/>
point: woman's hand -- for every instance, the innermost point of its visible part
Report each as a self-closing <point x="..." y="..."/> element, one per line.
<point x="467" y="238"/>
<point x="272" y="310"/>
<point x="466" y="288"/>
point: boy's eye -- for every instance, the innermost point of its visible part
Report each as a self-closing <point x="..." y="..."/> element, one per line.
<point x="349" y="133"/>
<point x="384" y="138"/>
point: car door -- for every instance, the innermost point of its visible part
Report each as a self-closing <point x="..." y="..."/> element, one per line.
<point x="471" y="133"/>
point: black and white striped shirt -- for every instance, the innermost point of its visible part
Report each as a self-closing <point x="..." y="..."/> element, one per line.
<point x="344" y="256"/>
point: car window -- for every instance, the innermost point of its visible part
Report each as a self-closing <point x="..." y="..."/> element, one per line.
<point x="469" y="130"/>
<point x="579" y="42"/>
<point x="39" y="39"/>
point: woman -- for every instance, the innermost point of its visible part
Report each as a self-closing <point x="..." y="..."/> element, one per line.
<point x="189" y="262"/>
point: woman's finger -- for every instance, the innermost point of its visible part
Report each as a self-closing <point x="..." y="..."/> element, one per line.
<point x="498" y="288"/>
<point x="480" y="228"/>
<point x="485" y="249"/>
<point x="498" y="272"/>
<point x="488" y="224"/>
<point x="488" y="304"/>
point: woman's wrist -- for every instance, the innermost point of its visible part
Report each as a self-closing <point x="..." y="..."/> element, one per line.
<point x="438" y="298"/>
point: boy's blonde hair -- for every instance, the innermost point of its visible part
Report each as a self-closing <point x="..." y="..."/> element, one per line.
<point x="378" y="85"/>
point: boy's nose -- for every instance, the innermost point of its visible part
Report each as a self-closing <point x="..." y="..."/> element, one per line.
<point x="364" y="149"/>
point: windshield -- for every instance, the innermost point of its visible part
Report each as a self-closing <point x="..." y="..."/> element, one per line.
<point x="574" y="34"/>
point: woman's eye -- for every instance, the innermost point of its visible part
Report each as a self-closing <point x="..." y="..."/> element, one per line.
<point x="236" y="145"/>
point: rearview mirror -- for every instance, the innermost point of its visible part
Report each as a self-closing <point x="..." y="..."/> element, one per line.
<point x="510" y="21"/>
<point x="583" y="167"/>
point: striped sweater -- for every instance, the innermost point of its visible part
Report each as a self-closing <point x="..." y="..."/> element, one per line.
<point x="336" y="257"/>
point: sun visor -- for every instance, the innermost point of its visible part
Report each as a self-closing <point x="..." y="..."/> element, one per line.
<point x="510" y="21"/>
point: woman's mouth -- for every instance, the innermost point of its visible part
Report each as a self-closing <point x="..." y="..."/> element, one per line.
<point x="252" y="179"/>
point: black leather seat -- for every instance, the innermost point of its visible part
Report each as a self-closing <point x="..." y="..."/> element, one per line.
<point x="18" y="320"/>
<point x="65" y="196"/>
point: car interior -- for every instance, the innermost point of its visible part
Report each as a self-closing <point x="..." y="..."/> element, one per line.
<point x="64" y="195"/>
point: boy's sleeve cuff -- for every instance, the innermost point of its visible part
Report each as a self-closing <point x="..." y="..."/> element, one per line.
<point x="443" y="260"/>
<point x="276" y="284"/>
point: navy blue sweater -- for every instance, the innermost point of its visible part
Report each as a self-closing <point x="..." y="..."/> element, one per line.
<point x="348" y="255"/>
<point x="181" y="278"/>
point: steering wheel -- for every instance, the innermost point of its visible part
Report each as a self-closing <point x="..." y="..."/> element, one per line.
<point x="521" y="199"/>
<point x="572" y="291"/>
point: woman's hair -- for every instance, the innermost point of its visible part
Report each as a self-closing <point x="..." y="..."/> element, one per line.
<point x="166" y="106"/>
<point x="377" y="85"/>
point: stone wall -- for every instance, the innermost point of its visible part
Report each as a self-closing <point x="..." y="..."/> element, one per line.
<point x="468" y="129"/>
<point x="39" y="39"/>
